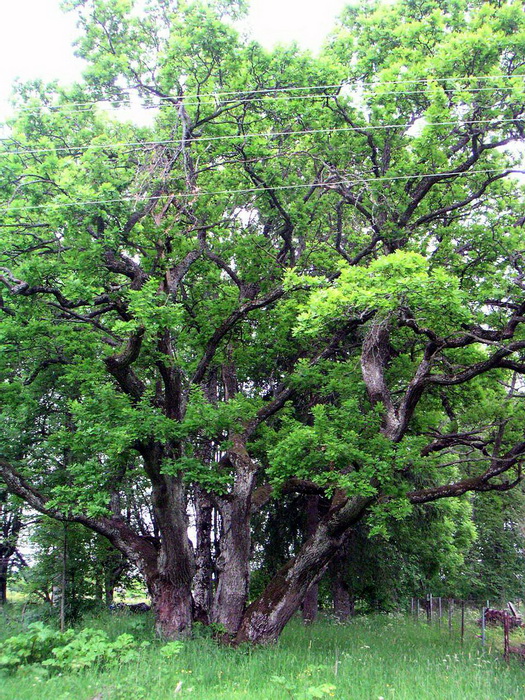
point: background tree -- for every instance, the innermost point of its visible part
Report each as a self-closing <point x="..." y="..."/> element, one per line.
<point x="75" y="563"/>
<point x="11" y="521"/>
<point x="494" y="567"/>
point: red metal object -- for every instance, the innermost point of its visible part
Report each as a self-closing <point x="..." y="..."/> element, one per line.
<point x="494" y="617"/>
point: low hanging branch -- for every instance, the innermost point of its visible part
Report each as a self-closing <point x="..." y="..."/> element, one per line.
<point x="134" y="546"/>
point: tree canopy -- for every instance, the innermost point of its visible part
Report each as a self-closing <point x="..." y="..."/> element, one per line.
<point x="304" y="276"/>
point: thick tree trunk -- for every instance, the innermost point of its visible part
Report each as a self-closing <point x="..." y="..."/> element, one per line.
<point x="232" y="568"/>
<point x="203" y="580"/>
<point x="167" y="566"/>
<point x="266" y="617"/>
<point x="311" y="599"/>
<point x="170" y="584"/>
<point x="310" y="604"/>
<point x="204" y="519"/>
<point x="233" y="565"/>
<point x="343" y="601"/>
<point x="3" y="580"/>
<point x="172" y="604"/>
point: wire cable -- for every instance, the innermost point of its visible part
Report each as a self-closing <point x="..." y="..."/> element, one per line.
<point x="249" y="190"/>
<point x="199" y="103"/>
<point x="277" y="91"/>
<point x="265" y="134"/>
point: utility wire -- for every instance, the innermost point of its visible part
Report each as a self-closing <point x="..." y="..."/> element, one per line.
<point x="193" y="101"/>
<point x="265" y="134"/>
<point x="249" y="190"/>
<point x="276" y="91"/>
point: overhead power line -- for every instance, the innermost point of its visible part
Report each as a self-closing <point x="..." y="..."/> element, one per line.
<point x="250" y="135"/>
<point x="194" y="101"/>
<point x="264" y="92"/>
<point x="249" y="190"/>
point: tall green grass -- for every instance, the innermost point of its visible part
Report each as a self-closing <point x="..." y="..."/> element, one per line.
<point x="370" y="658"/>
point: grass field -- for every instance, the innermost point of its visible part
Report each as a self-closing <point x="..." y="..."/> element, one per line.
<point x="379" y="657"/>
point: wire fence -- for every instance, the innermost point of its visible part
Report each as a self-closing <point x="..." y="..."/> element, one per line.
<point x="478" y="618"/>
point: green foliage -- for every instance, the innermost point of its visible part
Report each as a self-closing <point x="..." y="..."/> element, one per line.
<point x="162" y="285"/>
<point x="319" y="691"/>
<point x="371" y="657"/>
<point x="32" y="647"/>
<point x="93" y="569"/>
<point x="495" y="568"/>
<point x="403" y="279"/>
<point x="69" y="651"/>
<point x="389" y="560"/>
<point x="171" y="649"/>
<point x="339" y="438"/>
<point x="92" y="647"/>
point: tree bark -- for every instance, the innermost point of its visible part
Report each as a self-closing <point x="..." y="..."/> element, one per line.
<point x="170" y="584"/>
<point x="3" y="579"/>
<point x="266" y="617"/>
<point x="203" y="580"/>
<point x="172" y="604"/>
<point x="167" y="567"/>
<point x="311" y="599"/>
<point x="343" y="601"/>
<point x="10" y="526"/>
<point x="233" y="564"/>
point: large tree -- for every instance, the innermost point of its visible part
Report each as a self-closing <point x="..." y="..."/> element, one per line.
<point x="304" y="276"/>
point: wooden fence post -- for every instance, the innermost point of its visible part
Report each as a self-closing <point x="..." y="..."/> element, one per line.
<point x="450" y="613"/>
<point x="462" y="621"/>
<point x="506" y="628"/>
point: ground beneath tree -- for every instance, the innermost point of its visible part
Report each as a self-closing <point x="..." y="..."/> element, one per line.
<point x="382" y="656"/>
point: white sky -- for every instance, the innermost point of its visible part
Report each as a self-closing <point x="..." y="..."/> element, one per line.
<point x="36" y="36"/>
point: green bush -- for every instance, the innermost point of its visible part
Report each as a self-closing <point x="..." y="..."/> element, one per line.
<point x="92" y="647"/>
<point x="171" y="649"/>
<point x="32" y="647"/>
<point x="67" y="652"/>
